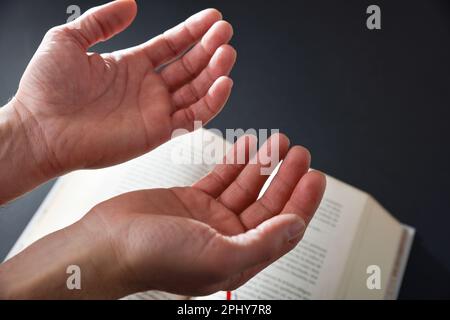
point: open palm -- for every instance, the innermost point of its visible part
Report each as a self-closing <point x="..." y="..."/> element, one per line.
<point x="93" y="110"/>
<point x="214" y="235"/>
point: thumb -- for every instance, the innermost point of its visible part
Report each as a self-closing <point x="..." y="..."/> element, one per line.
<point x="103" y="22"/>
<point x="266" y="243"/>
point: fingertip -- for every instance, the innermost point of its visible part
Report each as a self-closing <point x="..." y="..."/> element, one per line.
<point x="312" y="187"/>
<point x="283" y="141"/>
<point x="214" y="12"/>
<point x="231" y="83"/>
<point x="227" y="57"/>
<point x="222" y="61"/>
<point x="219" y="93"/>
<point x="319" y="178"/>
<point x="225" y="26"/>
<point x="300" y="154"/>
<point x="264" y="244"/>
<point x="222" y="83"/>
<point x="210" y="14"/>
<point x="227" y="51"/>
<point x="232" y="50"/>
<point x="202" y="21"/>
<point x="295" y="227"/>
<point x="219" y="33"/>
<point x="129" y="7"/>
<point x="307" y="195"/>
<point x="131" y="3"/>
<point x="109" y="19"/>
<point x="284" y="137"/>
<point x="283" y="230"/>
<point x="227" y="84"/>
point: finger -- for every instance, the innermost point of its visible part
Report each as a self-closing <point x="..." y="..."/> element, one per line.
<point x="306" y="197"/>
<point x="102" y="22"/>
<point x="294" y="166"/>
<point x="239" y="279"/>
<point x="225" y="173"/>
<point x="206" y="108"/>
<point x="220" y="65"/>
<point x="177" y="40"/>
<point x="246" y="187"/>
<point x="266" y="243"/>
<point x="195" y="60"/>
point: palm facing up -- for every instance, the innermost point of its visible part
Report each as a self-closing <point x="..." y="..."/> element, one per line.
<point x="95" y="110"/>
<point x="214" y="235"/>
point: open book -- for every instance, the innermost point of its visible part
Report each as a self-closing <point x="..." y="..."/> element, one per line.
<point x="353" y="248"/>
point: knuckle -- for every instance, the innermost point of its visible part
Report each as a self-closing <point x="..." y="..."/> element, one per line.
<point x="54" y="32"/>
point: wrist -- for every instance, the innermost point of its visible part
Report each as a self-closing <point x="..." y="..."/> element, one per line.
<point x="41" y="270"/>
<point x="23" y="160"/>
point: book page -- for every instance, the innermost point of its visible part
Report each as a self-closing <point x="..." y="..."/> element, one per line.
<point x="157" y="169"/>
<point x="313" y="269"/>
<point x="404" y="250"/>
<point x="379" y="245"/>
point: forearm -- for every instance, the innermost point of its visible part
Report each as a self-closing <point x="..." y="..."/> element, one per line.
<point x="40" y="271"/>
<point x="22" y="167"/>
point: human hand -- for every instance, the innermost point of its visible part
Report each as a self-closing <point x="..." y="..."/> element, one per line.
<point x="195" y="240"/>
<point x="89" y="110"/>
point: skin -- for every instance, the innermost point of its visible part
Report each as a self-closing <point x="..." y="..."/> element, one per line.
<point x="75" y="110"/>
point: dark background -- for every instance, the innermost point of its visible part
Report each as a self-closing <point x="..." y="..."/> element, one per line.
<point x="372" y="106"/>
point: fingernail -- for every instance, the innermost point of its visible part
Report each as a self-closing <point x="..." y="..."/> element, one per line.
<point x="296" y="229"/>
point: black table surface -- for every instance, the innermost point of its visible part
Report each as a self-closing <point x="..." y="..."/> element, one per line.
<point x="372" y="106"/>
